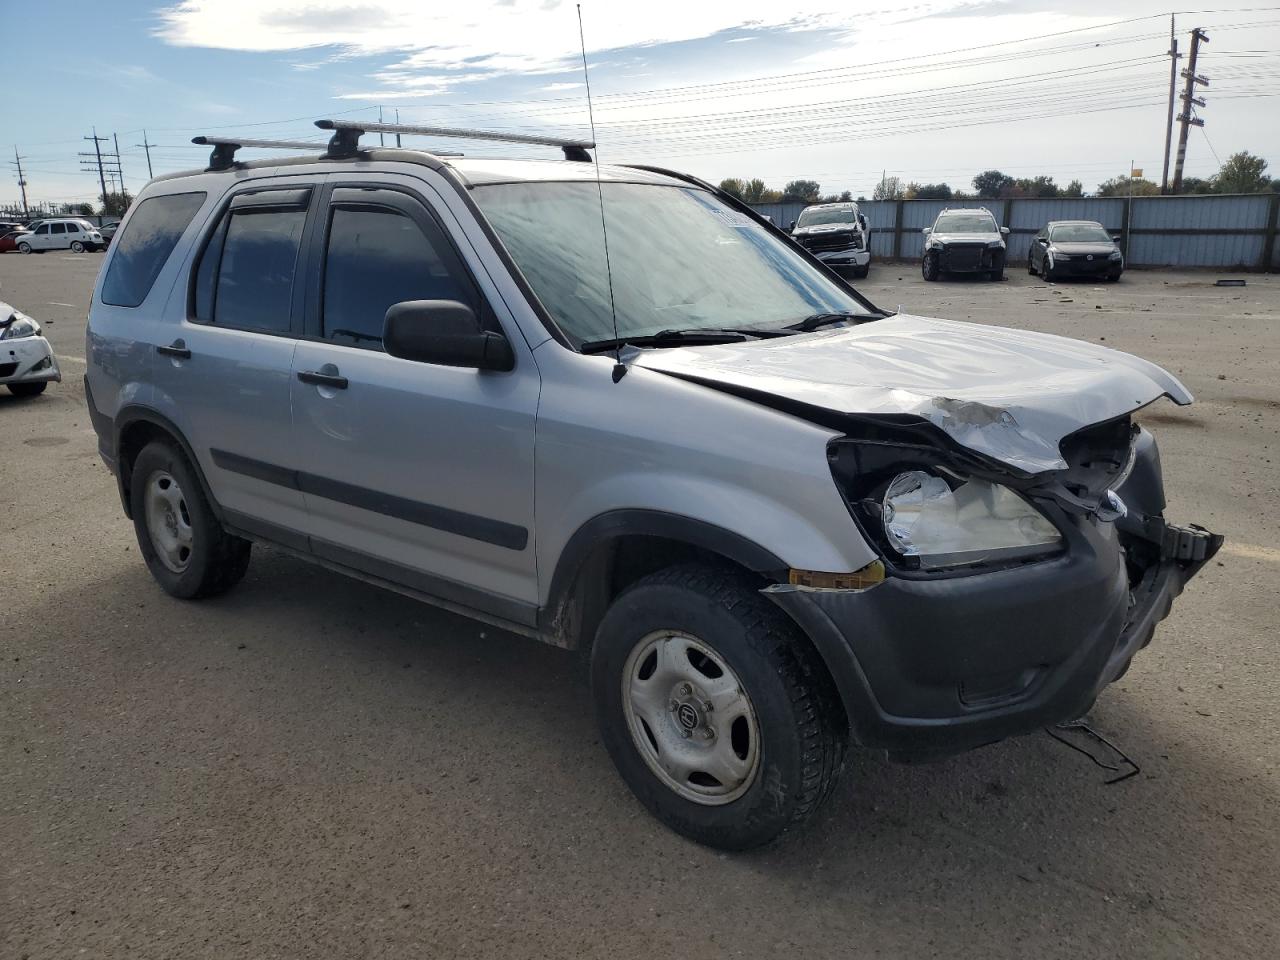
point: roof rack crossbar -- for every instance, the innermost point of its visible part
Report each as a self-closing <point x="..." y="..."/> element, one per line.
<point x="346" y="136"/>
<point x="224" y="148"/>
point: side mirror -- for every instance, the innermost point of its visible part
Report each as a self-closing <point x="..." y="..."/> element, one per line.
<point x="793" y="224"/>
<point x="1115" y="239"/>
<point x="1004" y="231"/>
<point x="444" y="332"/>
<point x="862" y="219"/>
<point x="1043" y="240"/>
<point x="927" y="230"/>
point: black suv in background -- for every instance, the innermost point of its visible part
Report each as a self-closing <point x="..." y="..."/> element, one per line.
<point x="964" y="241"/>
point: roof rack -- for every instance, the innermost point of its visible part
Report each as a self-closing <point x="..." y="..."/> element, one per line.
<point x="346" y="137"/>
<point x="224" y="148"/>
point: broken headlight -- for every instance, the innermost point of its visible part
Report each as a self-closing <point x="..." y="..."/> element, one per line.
<point x="947" y="522"/>
<point x="20" y="326"/>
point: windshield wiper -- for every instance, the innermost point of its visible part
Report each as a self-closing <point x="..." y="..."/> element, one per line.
<point x="816" y="320"/>
<point x="671" y="338"/>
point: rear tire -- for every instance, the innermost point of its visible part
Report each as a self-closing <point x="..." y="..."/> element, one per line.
<point x="929" y="267"/>
<point x="767" y="751"/>
<point x="181" y="540"/>
<point x="28" y="389"/>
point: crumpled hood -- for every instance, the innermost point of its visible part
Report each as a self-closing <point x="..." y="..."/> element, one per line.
<point x="823" y="228"/>
<point x="964" y="238"/>
<point x="1010" y="394"/>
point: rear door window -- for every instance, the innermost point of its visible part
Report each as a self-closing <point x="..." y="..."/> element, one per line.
<point x="246" y="274"/>
<point x="58" y="228"/>
<point x="142" y="248"/>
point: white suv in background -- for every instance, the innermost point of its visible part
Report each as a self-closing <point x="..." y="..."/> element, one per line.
<point x="67" y="234"/>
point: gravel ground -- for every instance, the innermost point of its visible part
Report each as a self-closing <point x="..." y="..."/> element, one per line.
<point x="313" y="767"/>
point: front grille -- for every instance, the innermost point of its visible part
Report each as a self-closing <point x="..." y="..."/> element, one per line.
<point x="831" y="241"/>
<point x="8" y="369"/>
<point x="964" y="257"/>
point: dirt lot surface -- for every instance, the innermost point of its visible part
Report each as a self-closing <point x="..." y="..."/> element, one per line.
<point x="312" y="767"/>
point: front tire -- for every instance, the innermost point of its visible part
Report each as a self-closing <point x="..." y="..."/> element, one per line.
<point x="1046" y="271"/>
<point x="24" y="247"/>
<point x="181" y="540"/>
<point x="715" y="709"/>
<point x="77" y="246"/>
<point x="28" y="389"/>
<point x="929" y="267"/>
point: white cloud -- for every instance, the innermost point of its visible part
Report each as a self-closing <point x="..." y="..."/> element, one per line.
<point x="497" y="35"/>
<point x="554" y="87"/>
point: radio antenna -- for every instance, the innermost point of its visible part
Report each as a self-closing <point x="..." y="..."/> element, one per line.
<point x="619" y="368"/>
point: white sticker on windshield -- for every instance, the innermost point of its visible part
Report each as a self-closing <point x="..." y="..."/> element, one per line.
<point x="732" y="217"/>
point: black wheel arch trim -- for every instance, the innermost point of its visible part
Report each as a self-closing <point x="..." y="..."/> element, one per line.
<point x="135" y="413"/>
<point x="628" y="522"/>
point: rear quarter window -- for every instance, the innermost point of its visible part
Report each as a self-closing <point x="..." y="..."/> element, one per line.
<point x="145" y="244"/>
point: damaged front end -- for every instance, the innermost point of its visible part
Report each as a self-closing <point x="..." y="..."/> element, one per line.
<point x="1009" y="599"/>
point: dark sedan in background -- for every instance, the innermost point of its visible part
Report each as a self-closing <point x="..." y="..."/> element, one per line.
<point x="1075" y="248"/>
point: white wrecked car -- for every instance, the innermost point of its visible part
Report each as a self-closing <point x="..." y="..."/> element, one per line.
<point x="27" y="363"/>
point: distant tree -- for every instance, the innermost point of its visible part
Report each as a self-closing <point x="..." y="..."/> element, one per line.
<point x="755" y="191"/>
<point x="1197" y="185"/>
<point x="807" y="190"/>
<point x="990" y="183"/>
<point x="845" y="196"/>
<point x="1073" y="189"/>
<point x="861" y="198"/>
<point x="1124" y="187"/>
<point x="929" y="191"/>
<point x="734" y="187"/>
<point x="1242" y="173"/>
<point x="1031" y="187"/>
<point x="889" y="188"/>
<point x="1275" y="185"/>
<point x="115" y="204"/>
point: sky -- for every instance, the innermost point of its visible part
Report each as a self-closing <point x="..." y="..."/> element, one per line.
<point x="926" y="90"/>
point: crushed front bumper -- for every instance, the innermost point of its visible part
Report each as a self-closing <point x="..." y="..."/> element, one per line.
<point x="28" y="360"/>
<point x="844" y="258"/>
<point x="931" y="666"/>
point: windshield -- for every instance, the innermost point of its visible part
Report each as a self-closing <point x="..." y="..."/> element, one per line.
<point x="817" y="216"/>
<point x="1080" y="233"/>
<point x="681" y="260"/>
<point x="965" y="223"/>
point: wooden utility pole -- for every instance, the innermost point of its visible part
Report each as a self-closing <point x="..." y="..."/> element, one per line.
<point x="102" y="177"/>
<point x="22" y="183"/>
<point x="1189" y="101"/>
<point x="124" y="193"/>
<point x="151" y="176"/>
<point x="1173" y="95"/>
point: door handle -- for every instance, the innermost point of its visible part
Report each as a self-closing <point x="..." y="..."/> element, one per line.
<point x="176" y="349"/>
<point x="323" y="379"/>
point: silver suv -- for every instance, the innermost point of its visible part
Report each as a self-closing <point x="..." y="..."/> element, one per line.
<point x="774" y="518"/>
<point x="964" y="241"/>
